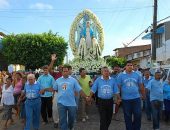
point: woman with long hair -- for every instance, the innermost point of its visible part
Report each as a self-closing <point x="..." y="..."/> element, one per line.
<point x="17" y="83"/>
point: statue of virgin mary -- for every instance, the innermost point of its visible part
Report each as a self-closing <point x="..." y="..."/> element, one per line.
<point x="88" y="43"/>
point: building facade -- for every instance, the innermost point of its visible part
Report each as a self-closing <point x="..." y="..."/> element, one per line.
<point x="162" y="43"/>
<point x="140" y="55"/>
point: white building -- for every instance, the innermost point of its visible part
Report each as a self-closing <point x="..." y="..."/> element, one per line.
<point x="162" y="43"/>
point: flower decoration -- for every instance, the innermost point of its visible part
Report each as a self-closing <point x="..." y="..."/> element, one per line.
<point x="74" y="26"/>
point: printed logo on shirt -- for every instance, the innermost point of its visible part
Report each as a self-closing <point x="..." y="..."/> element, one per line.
<point x="106" y="89"/>
<point x="64" y="87"/>
<point x="130" y="82"/>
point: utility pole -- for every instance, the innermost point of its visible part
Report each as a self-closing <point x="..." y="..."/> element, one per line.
<point x="154" y="31"/>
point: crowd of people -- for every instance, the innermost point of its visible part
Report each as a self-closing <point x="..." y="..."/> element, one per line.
<point x="56" y="96"/>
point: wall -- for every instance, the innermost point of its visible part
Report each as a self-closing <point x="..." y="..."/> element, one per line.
<point x="144" y="62"/>
<point x="161" y="52"/>
<point x="167" y="49"/>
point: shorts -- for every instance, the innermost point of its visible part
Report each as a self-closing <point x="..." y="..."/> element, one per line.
<point x="7" y="112"/>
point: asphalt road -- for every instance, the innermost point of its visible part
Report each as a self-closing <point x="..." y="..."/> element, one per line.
<point x="93" y="123"/>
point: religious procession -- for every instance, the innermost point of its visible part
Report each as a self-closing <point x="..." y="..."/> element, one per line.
<point x="43" y="86"/>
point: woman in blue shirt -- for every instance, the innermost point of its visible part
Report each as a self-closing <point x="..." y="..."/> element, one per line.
<point x="166" y="94"/>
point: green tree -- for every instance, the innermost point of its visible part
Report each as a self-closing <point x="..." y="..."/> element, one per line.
<point x="34" y="50"/>
<point x="113" y="61"/>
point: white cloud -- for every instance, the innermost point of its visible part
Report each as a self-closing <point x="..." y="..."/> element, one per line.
<point x="4" y="4"/>
<point x="41" y="6"/>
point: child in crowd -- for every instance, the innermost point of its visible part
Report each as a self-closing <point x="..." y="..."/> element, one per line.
<point x="155" y="87"/>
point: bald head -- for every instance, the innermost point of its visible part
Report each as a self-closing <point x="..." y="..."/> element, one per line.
<point x="31" y="78"/>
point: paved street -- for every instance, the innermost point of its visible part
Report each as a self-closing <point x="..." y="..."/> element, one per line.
<point x="93" y="123"/>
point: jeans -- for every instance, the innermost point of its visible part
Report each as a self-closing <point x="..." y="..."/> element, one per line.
<point x="46" y="108"/>
<point x="167" y="109"/>
<point x="106" y="110"/>
<point x="65" y="111"/>
<point x="23" y="114"/>
<point x="131" y="108"/>
<point x="33" y="110"/>
<point x="156" y="111"/>
<point x="148" y="108"/>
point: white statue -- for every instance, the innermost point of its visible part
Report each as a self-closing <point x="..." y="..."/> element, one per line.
<point x="88" y="46"/>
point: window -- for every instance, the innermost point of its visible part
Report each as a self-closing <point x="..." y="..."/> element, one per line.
<point x="159" y="41"/>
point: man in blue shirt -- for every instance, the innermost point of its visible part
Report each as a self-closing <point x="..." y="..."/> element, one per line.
<point x="131" y="87"/>
<point x="155" y="88"/>
<point x="32" y="93"/>
<point x="115" y="72"/>
<point x="46" y="81"/>
<point x="66" y="87"/>
<point x="147" y="102"/>
<point x="106" y="87"/>
<point x="166" y="93"/>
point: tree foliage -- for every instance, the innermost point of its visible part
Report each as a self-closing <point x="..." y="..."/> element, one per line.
<point x="113" y="61"/>
<point x="33" y="50"/>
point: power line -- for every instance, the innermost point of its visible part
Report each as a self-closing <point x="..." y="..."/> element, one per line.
<point x="145" y="31"/>
<point x="67" y="15"/>
<point x="163" y="19"/>
<point x="5" y="30"/>
<point x="64" y="11"/>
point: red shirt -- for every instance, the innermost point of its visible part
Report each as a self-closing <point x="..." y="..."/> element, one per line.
<point x="56" y="75"/>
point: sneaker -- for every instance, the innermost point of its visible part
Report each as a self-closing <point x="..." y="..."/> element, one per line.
<point x="83" y="120"/>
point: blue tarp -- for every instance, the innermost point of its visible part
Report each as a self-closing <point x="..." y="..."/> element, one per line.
<point x="159" y="30"/>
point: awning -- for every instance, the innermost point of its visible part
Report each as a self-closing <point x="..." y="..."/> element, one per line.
<point x="159" y="30"/>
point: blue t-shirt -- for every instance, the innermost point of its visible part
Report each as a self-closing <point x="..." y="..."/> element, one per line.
<point x="138" y="72"/>
<point x="32" y="91"/>
<point x="166" y="91"/>
<point x="105" y="88"/>
<point x="146" y="81"/>
<point x="156" y="90"/>
<point x="66" y="88"/>
<point x="46" y="81"/>
<point x="115" y="76"/>
<point x="129" y="85"/>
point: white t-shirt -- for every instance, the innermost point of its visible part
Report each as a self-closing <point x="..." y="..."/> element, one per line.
<point x="7" y="95"/>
